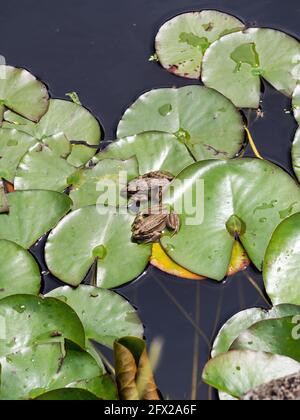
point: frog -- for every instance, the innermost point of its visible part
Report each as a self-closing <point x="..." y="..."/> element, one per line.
<point x="150" y="186"/>
<point x="150" y="224"/>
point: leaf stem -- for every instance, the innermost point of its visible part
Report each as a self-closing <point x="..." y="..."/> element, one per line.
<point x="252" y="144"/>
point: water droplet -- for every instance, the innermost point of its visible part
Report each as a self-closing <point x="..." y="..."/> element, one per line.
<point x="165" y="110"/>
<point x="20" y="308"/>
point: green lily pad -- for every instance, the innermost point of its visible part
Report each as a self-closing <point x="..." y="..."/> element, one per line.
<point x="271" y="336"/>
<point x="105" y="315"/>
<point x="21" y="92"/>
<point x="31" y="215"/>
<point x="43" y="169"/>
<point x="96" y="235"/>
<point x="154" y="151"/>
<point x="282" y="263"/>
<point x="91" y="186"/>
<point x="19" y="272"/>
<point x="3" y="199"/>
<point x="296" y="103"/>
<point x="13" y="146"/>
<point x="237" y="372"/>
<point x="234" y="64"/>
<point x="296" y="154"/>
<point x="64" y="368"/>
<point x="31" y="320"/>
<point x="182" y="41"/>
<point x="68" y="394"/>
<point x="235" y="204"/>
<point x="205" y="121"/>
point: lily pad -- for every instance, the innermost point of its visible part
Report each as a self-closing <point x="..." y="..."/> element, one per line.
<point x="202" y="119"/>
<point x="234" y="64"/>
<point x="13" y="146"/>
<point x="296" y="103"/>
<point x="31" y="215"/>
<point x="31" y="320"/>
<point x="64" y="368"/>
<point x="133" y="371"/>
<point x="68" y="394"/>
<point x="105" y="315"/>
<point x="3" y="199"/>
<point x="19" y="272"/>
<point x="21" y="92"/>
<point x="282" y="263"/>
<point x="235" y="205"/>
<point x="92" y="184"/>
<point x="271" y="336"/>
<point x="244" y="320"/>
<point x="43" y="169"/>
<point x="296" y="154"/>
<point x="154" y="151"/>
<point x="237" y="372"/>
<point x="182" y="41"/>
<point x="96" y="235"/>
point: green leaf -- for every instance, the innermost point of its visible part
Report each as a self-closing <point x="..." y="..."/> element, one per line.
<point x="296" y="154"/>
<point x="296" y="103"/>
<point x="31" y="320"/>
<point x="244" y="320"/>
<point x="94" y="182"/>
<point x="19" y="272"/>
<point x="67" y="394"/>
<point x="233" y="65"/>
<point x="134" y="375"/>
<point x="154" y="151"/>
<point x="70" y="248"/>
<point x="21" y="92"/>
<point x="105" y="315"/>
<point x="182" y="41"/>
<point x="43" y="169"/>
<point x="271" y="336"/>
<point x="13" y="146"/>
<point x="282" y="263"/>
<point x="3" y="199"/>
<point x="31" y="215"/>
<point x="238" y="372"/>
<point x="205" y="121"/>
<point x="203" y="244"/>
<point x="64" y="368"/>
<point x="74" y="97"/>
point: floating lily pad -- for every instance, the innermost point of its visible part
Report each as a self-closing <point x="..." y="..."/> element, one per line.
<point x="133" y="370"/>
<point x="31" y="215"/>
<point x="68" y="394"/>
<point x="3" y="199"/>
<point x="271" y="336"/>
<point x="296" y="103"/>
<point x="154" y="151"/>
<point x="296" y="154"/>
<point x="31" y="320"/>
<point x="96" y="235"/>
<point x="282" y="263"/>
<point x="105" y="315"/>
<point x="21" y="92"/>
<point x="182" y="41"/>
<point x="64" y="368"/>
<point x="92" y="184"/>
<point x="235" y="205"/>
<point x="244" y="320"/>
<point x="43" y="169"/>
<point x="19" y="272"/>
<point x="234" y="64"/>
<point x="13" y="146"/>
<point x="205" y="121"/>
<point x="238" y="372"/>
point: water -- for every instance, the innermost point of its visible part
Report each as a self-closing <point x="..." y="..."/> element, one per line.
<point x="101" y="50"/>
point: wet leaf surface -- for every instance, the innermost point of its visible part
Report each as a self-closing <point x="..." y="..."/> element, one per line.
<point x="202" y="119"/>
<point x="296" y="154"/>
<point x="282" y="263"/>
<point x="182" y="41"/>
<point x="32" y="214"/>
<point x="19" y="272"/>
<point x="96" y="235"/>
<point x="204" y="244"/>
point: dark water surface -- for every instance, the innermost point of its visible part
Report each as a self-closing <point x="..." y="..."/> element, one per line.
<point x="100" y="48"/>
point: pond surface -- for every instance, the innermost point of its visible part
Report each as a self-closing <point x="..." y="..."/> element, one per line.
<point x="100" y="49"/>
